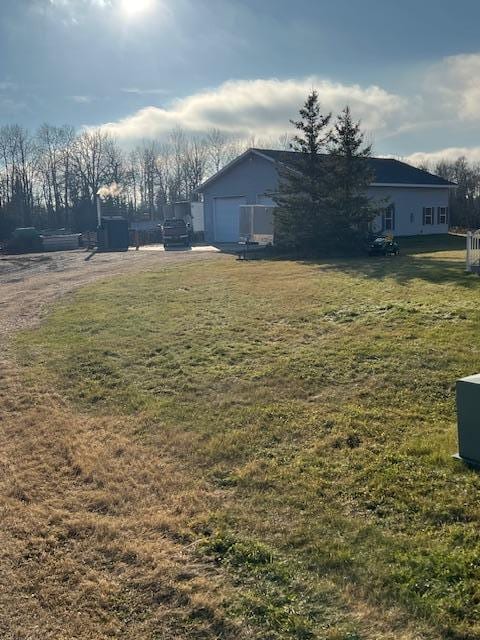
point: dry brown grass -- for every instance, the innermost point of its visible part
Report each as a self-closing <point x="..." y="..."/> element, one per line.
<point x="92" y="536"/>
<point x="95" y="539"/>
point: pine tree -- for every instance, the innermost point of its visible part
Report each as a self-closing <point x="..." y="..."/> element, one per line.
<point x="301" y="216"/>
<point x="351" y="175"/>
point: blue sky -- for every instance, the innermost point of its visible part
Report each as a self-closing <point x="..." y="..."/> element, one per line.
<point x="410" y="69"/>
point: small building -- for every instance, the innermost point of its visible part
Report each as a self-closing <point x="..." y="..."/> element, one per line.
<point x="417" y="200"/>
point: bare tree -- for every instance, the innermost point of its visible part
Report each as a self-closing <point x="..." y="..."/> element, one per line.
<point x="17" y="149"/>
<point x="220" y="150"/>
<point x="52" y="178"/>
<point x="96" y="159"/>
<point x="196" y="159"/>
<point x="146" y="163"/>
<point x="53" y="149"/>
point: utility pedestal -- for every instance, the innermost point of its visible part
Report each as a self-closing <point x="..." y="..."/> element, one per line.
<point x="468" y="412"/>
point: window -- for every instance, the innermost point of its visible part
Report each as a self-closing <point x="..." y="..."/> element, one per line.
<point x="412" y="218"/>
<point x="442" y="215"/>
<point x="389" y="218"/>
<point x="428" y="215"/>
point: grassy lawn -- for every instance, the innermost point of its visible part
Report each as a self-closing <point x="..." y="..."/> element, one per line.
<point x="305" y="416"/>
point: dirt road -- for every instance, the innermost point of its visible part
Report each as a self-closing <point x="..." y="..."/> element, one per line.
<point x="29" y="283"/>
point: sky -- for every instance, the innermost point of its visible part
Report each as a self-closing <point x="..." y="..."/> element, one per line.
<point x="409" y="70"/>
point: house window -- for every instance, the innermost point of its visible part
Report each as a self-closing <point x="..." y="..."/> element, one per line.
<point x="389" y="218"/>
<point x="428" y="215"/>
<point x="442" y="215"/>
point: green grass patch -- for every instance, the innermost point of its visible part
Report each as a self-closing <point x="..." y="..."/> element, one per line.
<point x="319" y="397"/>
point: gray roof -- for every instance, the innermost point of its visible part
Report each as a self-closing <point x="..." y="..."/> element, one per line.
<point x="385" y="170"/>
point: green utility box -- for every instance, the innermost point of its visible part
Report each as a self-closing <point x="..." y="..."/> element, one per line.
<point x="468" y="412"/>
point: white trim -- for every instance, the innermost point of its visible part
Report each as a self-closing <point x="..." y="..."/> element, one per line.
<point x="389" y="214"/>
<point x="413" y="185"/>
<point x="431" y="216"/>
<point x="264" y="156"/>
<point x="439" y="215"/>
<point x="273" y="161"/>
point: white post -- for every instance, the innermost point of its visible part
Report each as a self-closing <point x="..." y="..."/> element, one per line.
<point x="469" y="250"/>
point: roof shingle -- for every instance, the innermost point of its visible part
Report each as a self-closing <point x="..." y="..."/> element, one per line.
<point x="385" y="170"/>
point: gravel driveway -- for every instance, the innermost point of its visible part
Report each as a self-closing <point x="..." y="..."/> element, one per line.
<point x="28" y="283"/>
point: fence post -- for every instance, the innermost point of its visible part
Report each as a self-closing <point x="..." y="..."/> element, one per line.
<point x="469" y="250"/>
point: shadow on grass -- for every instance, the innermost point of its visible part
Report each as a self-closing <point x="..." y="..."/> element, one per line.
<point x="177" y="248"/>
<point x="420" y="259"/>
<point x="405" y="269"/>
<point x="432" y="244"/>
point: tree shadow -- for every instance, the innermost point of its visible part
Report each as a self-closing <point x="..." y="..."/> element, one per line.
<point x="177" y="248"/>
<point x="435" y="259"/>
<point x="432" y="244"/>
<point x="405" y="269"/>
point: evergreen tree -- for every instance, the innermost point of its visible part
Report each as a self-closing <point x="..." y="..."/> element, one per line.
<point x="302" y="217"/>
<point x="351" y="175"/>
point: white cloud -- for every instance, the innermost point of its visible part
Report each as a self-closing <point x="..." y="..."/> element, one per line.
<point x="454" y="84"/>
<point x="262" y="107"/>
<point x="145" y="92"/>
<point x="80" y="3"/>
<point x="448" y="97"/>
<point x="8" y="86"/>
<point x="472" y="154"/>
<point x="82" y="99"/>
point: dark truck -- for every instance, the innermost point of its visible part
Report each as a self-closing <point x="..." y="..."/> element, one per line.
<point x="175" y="231"/>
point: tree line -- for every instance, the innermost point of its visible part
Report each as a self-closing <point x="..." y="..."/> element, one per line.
<point x="49" y="179"/>
<point x="465" y="199"/>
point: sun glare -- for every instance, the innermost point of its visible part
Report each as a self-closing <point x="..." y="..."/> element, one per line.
<point x="132" y="8"/>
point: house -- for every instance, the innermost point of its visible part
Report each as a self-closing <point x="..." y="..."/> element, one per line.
<point x="417" y="200"/>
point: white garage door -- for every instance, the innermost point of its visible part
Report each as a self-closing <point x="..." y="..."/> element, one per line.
<point x="227" y="219"/>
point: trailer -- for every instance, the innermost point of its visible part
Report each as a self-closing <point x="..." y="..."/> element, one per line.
<point x="257" y="224"/>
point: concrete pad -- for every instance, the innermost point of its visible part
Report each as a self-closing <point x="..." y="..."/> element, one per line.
<point x="207" y="248"/>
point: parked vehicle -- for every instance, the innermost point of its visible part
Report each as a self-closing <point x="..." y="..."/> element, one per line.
<point x="175" y="231"/>
<point x="383" y="247"/>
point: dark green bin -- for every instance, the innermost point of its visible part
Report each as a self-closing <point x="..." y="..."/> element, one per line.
<point x="113" y="235"/>
<point x="468" y="414"/>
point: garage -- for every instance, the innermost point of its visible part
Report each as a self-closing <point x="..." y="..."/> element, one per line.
<point x="257" y="174"/>
<point x="227" y="218"/>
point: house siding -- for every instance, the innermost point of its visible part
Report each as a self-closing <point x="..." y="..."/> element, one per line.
<point x="408" y="201"/>
<point x="254" y="176"/>
<point x="251" y="178"/>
